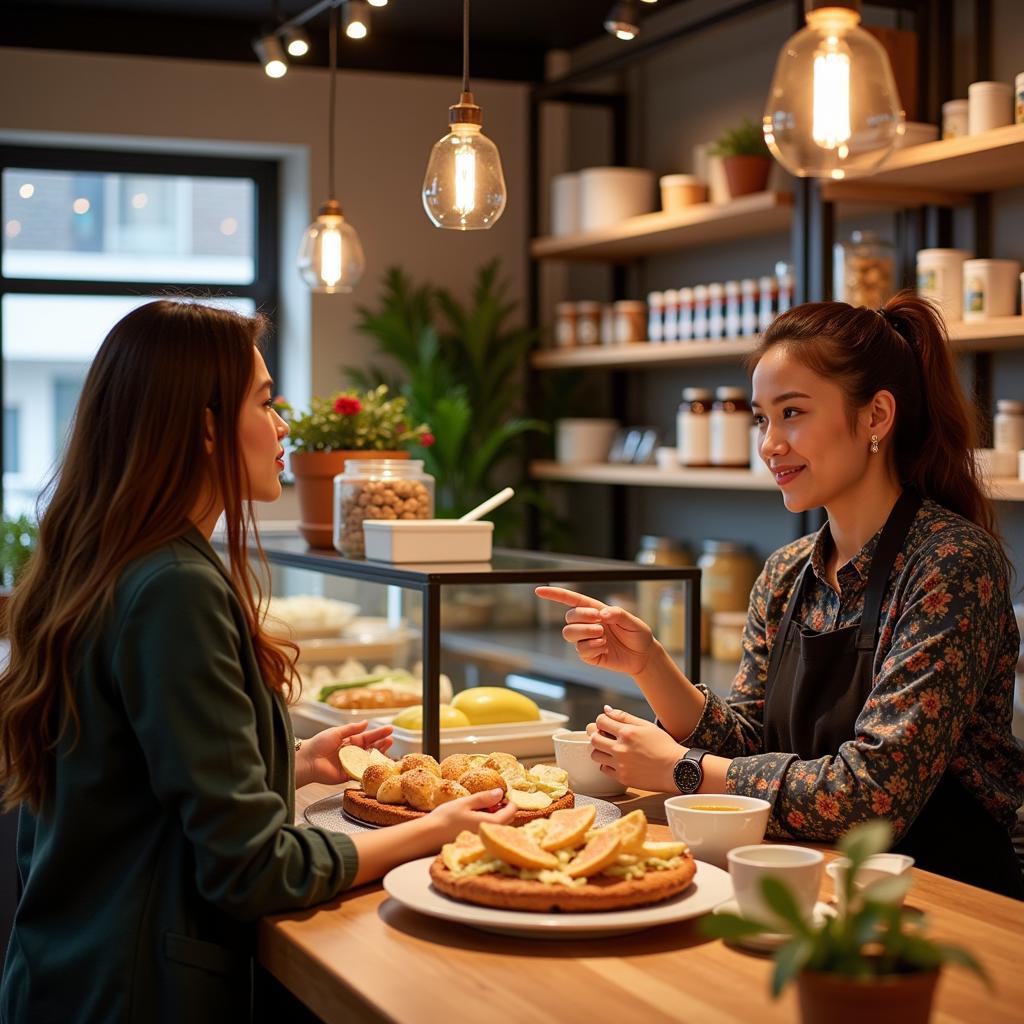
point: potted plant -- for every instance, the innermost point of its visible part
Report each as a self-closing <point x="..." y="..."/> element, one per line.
<point x="745" y="158"/>
<point x="346" y="425"/>
<point x="870" y="962"/>
<point x="18" y="538"/>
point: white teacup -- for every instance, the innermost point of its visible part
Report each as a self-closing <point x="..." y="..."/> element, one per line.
<point x="797" y="867"/>
<point x="572" y="755"/>
<point x="881" y="865"/>
<point x="711" y="834"/>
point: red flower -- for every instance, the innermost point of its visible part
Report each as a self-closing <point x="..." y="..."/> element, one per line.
<point x="427" y="440"/>
<point x="345" y="406"/>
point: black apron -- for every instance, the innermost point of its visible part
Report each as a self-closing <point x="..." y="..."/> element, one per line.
<point x="817" y="685"/>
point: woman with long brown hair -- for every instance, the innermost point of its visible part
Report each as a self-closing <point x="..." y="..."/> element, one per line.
<point x="878" y="654"/>
<point x="144" y="732"/>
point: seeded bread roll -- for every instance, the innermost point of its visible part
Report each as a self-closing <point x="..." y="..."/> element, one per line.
<point x="454" y="766"/>
<point x="375" y="775"/>
<point x="419" y="788"/>
<point x="476" y="780"/>
<point x="390" y="791"/>
<point x="424" y="762"/>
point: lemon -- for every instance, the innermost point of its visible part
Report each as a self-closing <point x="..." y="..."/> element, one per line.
<point x="412" y="718"/>
<point x="488" y="705"/>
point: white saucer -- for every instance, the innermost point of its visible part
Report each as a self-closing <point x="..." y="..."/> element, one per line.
<point x="768" y="941"/>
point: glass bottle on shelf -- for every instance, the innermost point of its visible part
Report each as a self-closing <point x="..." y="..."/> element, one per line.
<point x="693" y="428"/>
<point x="657" y="551"/>
<point x="730" y="428"/>
<point x="863" y="270"/>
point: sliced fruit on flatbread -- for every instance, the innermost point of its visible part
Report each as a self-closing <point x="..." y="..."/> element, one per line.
<point x="376" y="757"/>
<point x="567" y="828"/>
<point x="355" y="761"/>
<point x="664" y="851"/>
<point x="549" y="774"/>
<point x="514" y="847"/>
<point x="466" y="849"/>
<point x="527" y="801"/>
<point x="595" y="856"/>
<point x="631" y="829"/>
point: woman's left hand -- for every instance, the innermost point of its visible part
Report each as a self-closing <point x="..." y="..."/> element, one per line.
<point x="317" y="758"/>
<point x="634" y="751"/>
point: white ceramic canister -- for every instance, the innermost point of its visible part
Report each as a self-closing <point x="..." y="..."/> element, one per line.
<point x="954" y="119"/>
<point x="584" y="440"/>
<point x="609" y="195"/>
<point x="1018" y="98"/>
<point x="940" y="277"/>
<point x="1008" y="426"/>
<point x="565" y="203"/>
<point x="679" y="191"/>
<point x="989" y="105"/>
<point x="990" y="288"/>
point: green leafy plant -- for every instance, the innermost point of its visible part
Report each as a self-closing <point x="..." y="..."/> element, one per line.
<point x="17" y="542"/>
<point x="460" y="366"/>
<point x="875" y="936"/>
<point x="746" y="140"/>
<point x="354" y="421"/>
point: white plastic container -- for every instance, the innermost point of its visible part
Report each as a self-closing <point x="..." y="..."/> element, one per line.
<point x="940" y="277"/>
<point x="609" y="195"/>
<point x="584" y="440"/>
<point x="990" y="288"/>
<point x="427" y="540"/>
<point x="521" y="739"/>
<point x="565" y="203"/>
<point x="989" y="105"/>
<point x="679" y="191"/>
<point x="954" y="119"/>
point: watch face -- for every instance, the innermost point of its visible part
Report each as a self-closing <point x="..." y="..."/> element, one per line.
<point x="687" y="775"/>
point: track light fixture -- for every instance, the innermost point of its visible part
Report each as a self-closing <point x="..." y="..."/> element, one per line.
<point x="378" y="3"/>
<point x="296" y="42"/>
<point x="271" y="56"/>
<point x="623" y="20"/>
<point x="356" y="19"/>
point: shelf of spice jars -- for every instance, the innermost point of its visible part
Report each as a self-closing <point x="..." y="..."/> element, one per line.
<point x="650" y="233"/>
<point x="652" y="476"/>
<point x="944" y="172"/>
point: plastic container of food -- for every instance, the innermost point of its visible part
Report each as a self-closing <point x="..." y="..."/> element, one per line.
<point x="428" y="540"/>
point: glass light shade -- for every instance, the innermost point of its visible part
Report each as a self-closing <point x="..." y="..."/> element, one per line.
<point x="331" y="256"/>
<point x="833" y="106"/>
<point x="464" y="188"/>
<point x="356" y="19"/>
<point x="623" y="20"/>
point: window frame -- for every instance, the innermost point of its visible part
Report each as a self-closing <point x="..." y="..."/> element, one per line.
<point x="264" y="290"/>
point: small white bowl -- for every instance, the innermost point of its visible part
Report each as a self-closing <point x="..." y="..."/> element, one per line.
<point x="666" y="458"/>
<point x="881" y="865"/>
<point x="710" y="835"/>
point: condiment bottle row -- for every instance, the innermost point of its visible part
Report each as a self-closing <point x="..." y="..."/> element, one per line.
<point x="716" y="430"/>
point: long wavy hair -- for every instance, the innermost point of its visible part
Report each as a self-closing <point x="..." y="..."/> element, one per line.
<point x="134" y="471"/>
<point x="902" y="348"/>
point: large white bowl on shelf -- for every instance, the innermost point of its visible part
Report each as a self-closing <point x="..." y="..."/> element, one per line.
<point x="523" y="739"/>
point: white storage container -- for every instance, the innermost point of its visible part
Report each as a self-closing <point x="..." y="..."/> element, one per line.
<point x="989" y="105"/>
<point x="584" y="440"/>
<point x="565" y="203"/>
<point x="990" y="288"/>
<point x="609" y="195"/>
<point x="681" y="190"/>
<point x="427" y="540"/>
<point x="954" y="119"/>
<point x="940" y="277"/>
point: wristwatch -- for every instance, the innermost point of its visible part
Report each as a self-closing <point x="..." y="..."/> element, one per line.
<point x="687" y="773"/>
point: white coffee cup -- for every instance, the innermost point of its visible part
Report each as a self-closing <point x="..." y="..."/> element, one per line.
<point x="710" y="835"/>
<point x="797" y="867"/>
<point x="874" y="869"/>
<point x="572" y="755"/>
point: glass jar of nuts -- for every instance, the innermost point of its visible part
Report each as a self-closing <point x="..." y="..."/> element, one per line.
<point x="378" y="489"/>
<point x="863" y="270"/>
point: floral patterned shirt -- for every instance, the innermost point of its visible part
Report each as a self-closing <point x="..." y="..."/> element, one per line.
<point x="942" y="695"/>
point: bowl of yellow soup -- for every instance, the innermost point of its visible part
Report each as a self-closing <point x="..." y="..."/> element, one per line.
<point x="712" y="824"/>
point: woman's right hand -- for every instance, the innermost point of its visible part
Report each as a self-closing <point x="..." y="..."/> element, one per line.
<point x="470" y="812"/>
<point x="604" y="635"/>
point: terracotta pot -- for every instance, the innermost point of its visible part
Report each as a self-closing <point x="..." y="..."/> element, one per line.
<point x="889" y="999"/>
<point x="746" y="174"/>
<point x="314" y="474"/>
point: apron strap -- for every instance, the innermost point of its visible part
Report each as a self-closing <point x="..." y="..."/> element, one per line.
<point x="787" y="618"/>
<point x="894" y="533"/>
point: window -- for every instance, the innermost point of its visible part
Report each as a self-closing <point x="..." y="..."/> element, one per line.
<point x="88" y="236"/>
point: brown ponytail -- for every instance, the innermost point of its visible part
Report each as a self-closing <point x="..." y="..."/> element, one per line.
<point x="902" y="348"/>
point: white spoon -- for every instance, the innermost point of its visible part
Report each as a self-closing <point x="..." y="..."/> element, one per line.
<point x="487" y="506"/>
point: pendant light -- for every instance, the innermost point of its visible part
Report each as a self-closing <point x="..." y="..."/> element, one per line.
<point x="331" y="255"/>
<point x="464" y="188"/>
<point x="833" y="106"/>
<point x="623" y="20"/>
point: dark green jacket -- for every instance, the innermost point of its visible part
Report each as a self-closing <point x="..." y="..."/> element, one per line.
<point x="169" y="831"/>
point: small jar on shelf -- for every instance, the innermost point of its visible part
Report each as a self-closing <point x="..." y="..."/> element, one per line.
<point x="565" y="324"/>
<point x="863" y="270"/>
<point x="693" y="428"/>
<point x="670" y="319"/>
<point x="588" y="322"/>
<point x="730" y="429"/>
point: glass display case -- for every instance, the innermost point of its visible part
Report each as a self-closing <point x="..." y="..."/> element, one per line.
<point x="459" y="626"/>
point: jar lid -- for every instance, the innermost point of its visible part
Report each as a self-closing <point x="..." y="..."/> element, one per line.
<point x="723" y="547"/>
<point x="983" y="87"/>
<point x="686" y="295"/>
<point x="732" y="287"/>
<point x="748" y="284"/>
<point x="697" y="395"/>
<point x="953" y="106"/>
<point x="384" y="467"/>
<point x="561" y="308"/>
<point x="668" y="180"/>
<point x="727" y="394"/>
<point x="994" y="264"/>
<point x="629" y="306"/>
<point x="715" y="288"/>
<point x="700" y="290"/>
<point x="655" y="298"/>
<point x="588" y="306"/>
<point x="1011" y="405"/>
<point x="944" y="254"/>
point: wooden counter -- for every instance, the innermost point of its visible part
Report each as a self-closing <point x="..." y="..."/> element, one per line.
<point x="365" y="955"/>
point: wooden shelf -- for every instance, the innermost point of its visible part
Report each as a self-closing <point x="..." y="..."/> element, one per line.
<point x="701" y="224"/>
<point x="1002" y="334"/>
<point x="645" y="354"/>
<point x="944" y="172"/>
<point x="1000" y="489"/>
<point x="652" y="476"/>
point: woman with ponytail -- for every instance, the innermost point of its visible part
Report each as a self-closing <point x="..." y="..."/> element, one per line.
<point x="879" y="653"/>
<point x="144" y="733"/>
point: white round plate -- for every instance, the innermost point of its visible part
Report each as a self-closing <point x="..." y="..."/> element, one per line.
<point x="329" y="814"/>
<point x="410" y="886"/>
<point x="766" y="942"/>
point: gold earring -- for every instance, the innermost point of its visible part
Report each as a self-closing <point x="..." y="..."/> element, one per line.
<point x="874" y="444"/>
